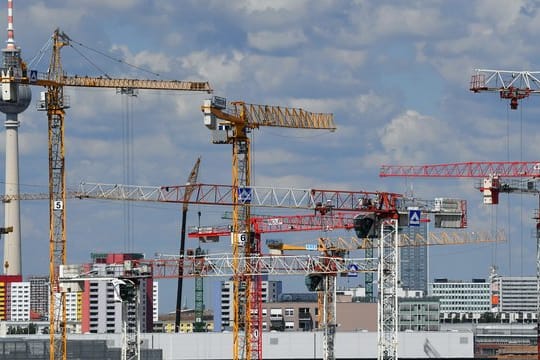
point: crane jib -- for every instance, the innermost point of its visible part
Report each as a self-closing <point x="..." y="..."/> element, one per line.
<point x="42" y="79"/>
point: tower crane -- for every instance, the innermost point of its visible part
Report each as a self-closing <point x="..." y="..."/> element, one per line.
<point x="55" y="103"/>
<point x="192" y="179"/>
<point x="492" y="173"/>
<point x="232" y="126"/>
<point x="512" y="85"/>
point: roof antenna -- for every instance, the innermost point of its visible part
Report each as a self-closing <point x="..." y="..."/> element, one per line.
<point x="10" y="33"/>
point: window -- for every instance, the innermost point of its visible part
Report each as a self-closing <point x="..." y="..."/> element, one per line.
<point x="289" y="312"/>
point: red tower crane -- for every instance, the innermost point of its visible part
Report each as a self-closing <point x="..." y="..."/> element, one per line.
<point x="490" y="171"/>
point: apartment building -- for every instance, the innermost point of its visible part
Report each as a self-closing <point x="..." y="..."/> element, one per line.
<point x="5" y="294"/>
<point x="19" y="301"/>
<point x="304" y="316"/>
<point x="270" y="290"/>
<point x="39" y="297"/>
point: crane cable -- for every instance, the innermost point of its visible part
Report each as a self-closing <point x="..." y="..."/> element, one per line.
<point x="48" y="45"/>
<point x="127" y="165"/>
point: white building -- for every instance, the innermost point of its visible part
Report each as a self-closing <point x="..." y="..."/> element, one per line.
<point x="74" y="306"/>
<point x="514" y="294"/>
<point x="20" y="301"/>
<point x="461" y="297"/>
<point x="270" y="293"/>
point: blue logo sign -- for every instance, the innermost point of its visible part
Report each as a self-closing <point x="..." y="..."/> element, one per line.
<point x="353" y="270"/>
<point x="414" y="217"/>
<point x="244" y="195"/>
<point x="33" y="76"/>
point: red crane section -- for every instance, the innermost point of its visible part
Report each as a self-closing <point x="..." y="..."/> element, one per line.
<point x="323" y="202"/>
<point x="472" y="169"/>
<point x="282" y="223"/>
<point x="490" y="171"/>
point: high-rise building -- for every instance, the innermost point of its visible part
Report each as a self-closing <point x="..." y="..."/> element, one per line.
<point x="19" y="304"/>
<point x="39" y="296"/>
<point x="101" y="310"/>
<point x="414" y="260"/>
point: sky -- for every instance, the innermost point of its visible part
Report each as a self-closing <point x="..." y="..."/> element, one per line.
<point x="395" y="75"/>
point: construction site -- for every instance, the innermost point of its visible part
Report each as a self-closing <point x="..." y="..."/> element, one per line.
<point x="276" y="271"/>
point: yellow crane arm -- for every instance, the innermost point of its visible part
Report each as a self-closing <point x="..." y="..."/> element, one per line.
<point x="267" y="115"/>
<point x="104" y="82"/>
<point x="254" y="116"/>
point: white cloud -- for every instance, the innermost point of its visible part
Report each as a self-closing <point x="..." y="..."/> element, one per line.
<point x="271" y="40"/>
<point x="413" y="138"/>
<point x="222" y="69"/>
<point x="251" y="6"/>
<point x="146" y="59"/>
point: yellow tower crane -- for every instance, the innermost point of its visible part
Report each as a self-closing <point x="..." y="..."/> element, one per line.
<point x="55" y="103"/>
<point x="233" y="127"/>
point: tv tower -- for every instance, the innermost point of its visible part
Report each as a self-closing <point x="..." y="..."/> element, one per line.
<point x="15" y="98"/>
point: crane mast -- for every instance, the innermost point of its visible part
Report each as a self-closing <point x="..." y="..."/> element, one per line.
<point x="55" y="107"/>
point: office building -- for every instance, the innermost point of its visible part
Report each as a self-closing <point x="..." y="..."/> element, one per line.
<point x="460" y="296"/>
<point x="413" y="260"/>
<point x="513" y="294"/>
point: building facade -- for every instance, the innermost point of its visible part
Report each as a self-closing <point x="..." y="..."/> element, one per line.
<point x="418" y="314"/>
<point x="5" y="294"/>
<point x="19" y="308"/>
<point x="513" y="294"/>
<point x="39" y="297"/>
<point x="461" y="297"/>
<point x="413" y="260"/>
<point x="155" y="301"/>
<point x="271" y="290"/>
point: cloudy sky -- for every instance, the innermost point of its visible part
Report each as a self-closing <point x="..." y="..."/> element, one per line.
<point x="395" y="74"/>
